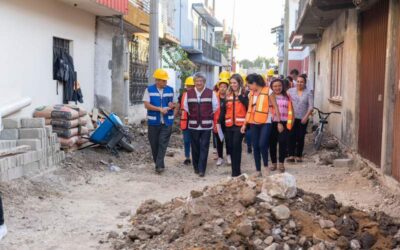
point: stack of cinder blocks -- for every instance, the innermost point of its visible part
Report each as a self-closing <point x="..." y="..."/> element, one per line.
<point x="43" y="143"/>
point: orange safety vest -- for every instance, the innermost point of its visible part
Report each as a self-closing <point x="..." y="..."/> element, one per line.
<point x="184" y="114"/>
<point x="258" y="113"/>
<point x="290" y="120"/>
<point x="235" y="112"/>
<point x="217" y="113"/>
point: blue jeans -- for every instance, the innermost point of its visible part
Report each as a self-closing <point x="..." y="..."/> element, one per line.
<point x="260" y="134"/>
<point x="186" y="142"/>
<point x="248" y="140"/>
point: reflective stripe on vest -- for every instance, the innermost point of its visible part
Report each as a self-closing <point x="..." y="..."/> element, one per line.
<point x="184" y="114"/>
<point x="235" y="112"/>
<point x="258" y="113"/>
<point x="158" y="100"/>
<point x="290" y="120"/>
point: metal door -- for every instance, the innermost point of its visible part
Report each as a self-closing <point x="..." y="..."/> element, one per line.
<point x="374" y="24"/>
<point x="396" y="123"/>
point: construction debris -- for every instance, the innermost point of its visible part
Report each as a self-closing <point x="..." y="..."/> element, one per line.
<point x="241" y="213"/>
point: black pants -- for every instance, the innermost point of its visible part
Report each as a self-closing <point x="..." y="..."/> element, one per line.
<point x="1" y="212"/>
<point x="159" y="139"/>
<point x="200" y="141"/>
<point x="282" y="139"/>
<point x="296" y="141"/>
<point x="220" y="145"/>
<point x="234" y="140"/>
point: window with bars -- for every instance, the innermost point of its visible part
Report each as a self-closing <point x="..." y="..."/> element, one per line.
<point x="59" y="45"/>
<point x="337" y="73"/>
<point x="138" y="68"/>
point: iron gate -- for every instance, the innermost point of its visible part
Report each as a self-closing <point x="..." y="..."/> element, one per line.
<point x="138" y="68"/>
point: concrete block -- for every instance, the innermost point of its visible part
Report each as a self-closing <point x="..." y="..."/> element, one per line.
<point x="30" y="157"/>
<point x="342" y="163"/>
<point x="34" y="143"/>
<point x="15" y="173"/>
<point x="4" y="176"/>
<point x="10" y="123"/>
<point x="33" y="123"/>
<point x="31" y="169"/>
<point x="49" y="130"/>
<point x="9" y="134"/>
<point x="32" y="133"/>
<point x="6" y="144"/>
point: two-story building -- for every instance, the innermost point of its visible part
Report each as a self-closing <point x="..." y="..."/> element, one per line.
<point x="197" y="36"/>
<point x="356" y="46"/>
<point x="34" y="32"/>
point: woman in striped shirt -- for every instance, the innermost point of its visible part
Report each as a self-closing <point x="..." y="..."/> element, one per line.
<point x="286" y="111"/>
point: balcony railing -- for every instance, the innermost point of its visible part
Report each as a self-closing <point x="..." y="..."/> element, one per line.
<point x="207" y="49"/>
<point x="143" y="5"/>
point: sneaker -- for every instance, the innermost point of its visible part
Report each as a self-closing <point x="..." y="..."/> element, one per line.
<point x="228" y="159"/>
<point x="281" y="168"/>
<point x="220" y="161"/>
<point x="187" y="162"/>
<point x="274" y="166"/>
<point x="202" y="174"/>
<point x="291" y="160"/>
<point x="299" y="159"/>
<point x="196" y="171"/>
<point x="3" y="231"/>
<point x="159" y="170"/>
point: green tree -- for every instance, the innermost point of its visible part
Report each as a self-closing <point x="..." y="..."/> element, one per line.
<point x="260" y="61"/>
<point x="176" y="58"/>
<point x="246" y="63"/>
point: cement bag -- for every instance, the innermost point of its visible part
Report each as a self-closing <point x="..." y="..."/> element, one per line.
<point x="68" y="133"/>
<point x="68" y="142"/>
<point x="281" y="186"/>
<point x="89" y="123"/>
<point x="56" y="112"/>
<point x="81" y="111"/>
<point x="68" y="123"/>
<point x="82" y="141"/>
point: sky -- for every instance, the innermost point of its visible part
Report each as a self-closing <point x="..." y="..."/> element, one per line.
<point x="253" y="22"/>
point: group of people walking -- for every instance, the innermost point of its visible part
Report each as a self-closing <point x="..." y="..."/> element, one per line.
<point x="270" y="112"/>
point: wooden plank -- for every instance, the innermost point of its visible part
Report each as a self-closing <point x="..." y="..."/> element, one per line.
<point x="15" y="150"/>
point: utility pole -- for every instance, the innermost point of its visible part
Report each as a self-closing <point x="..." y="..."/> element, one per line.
<point x="286" y="39"/>
<point x="233" y="24"/>
<point x="154" y="56"/>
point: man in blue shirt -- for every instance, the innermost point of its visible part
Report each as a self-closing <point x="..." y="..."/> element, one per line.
<point x="159" y="101"/>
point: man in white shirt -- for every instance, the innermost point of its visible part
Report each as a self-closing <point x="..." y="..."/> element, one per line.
<point x="201" y="104"/>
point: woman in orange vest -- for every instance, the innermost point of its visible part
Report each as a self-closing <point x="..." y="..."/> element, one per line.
<point x="189" y="84"/>
<point x="222" y="89"/>
<point x="287" y="118"/>
<point x="233" y="114"/>
<point x="259" y="117"/>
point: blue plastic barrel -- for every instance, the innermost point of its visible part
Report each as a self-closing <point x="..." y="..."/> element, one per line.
<point x="104" y="132"/>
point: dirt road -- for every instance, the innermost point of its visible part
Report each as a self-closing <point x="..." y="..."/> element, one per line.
<point x="77" y="206"/>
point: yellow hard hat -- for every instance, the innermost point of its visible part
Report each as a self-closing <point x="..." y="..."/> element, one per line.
<point x="244" y="79"/>
<point x="189" y="81"/>
<point x="223" y="80"/>
<point x="270" y="72"/>
<point x="161" y="74"/>
<point x="224" y="75"/>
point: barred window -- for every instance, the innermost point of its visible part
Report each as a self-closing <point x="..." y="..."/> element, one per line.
<point x="138" y="68"/>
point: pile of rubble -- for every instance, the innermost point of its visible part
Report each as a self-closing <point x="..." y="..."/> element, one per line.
<point x="254" y="213"/>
